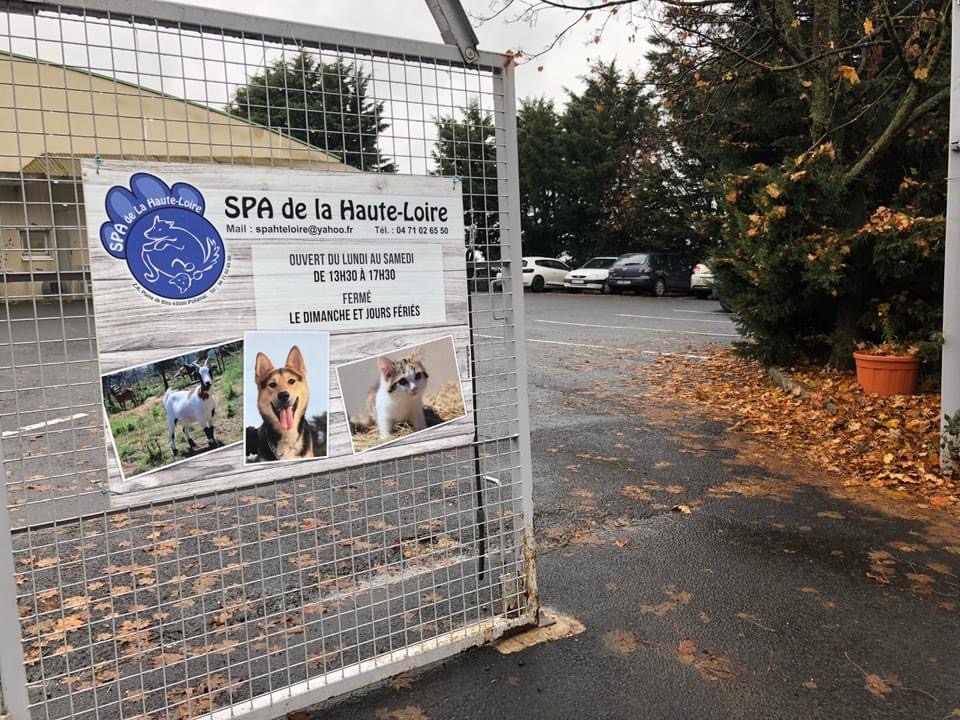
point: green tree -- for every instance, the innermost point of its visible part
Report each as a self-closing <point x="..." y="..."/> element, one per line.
<point x="620" y="190"/>
<point x="466" y="148"/>
<point x="542" y="176"/>
<point x="167" y="369"/>
<point x="322" y="104"/>
<point x="815" y="131"/>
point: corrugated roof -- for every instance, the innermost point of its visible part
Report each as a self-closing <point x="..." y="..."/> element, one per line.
<point x="56" y="166"/>
<point x="50" y="114"/>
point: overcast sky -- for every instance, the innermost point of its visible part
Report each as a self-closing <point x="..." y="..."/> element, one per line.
<point x="410" y="18"/>
<point x="207" y="68"/>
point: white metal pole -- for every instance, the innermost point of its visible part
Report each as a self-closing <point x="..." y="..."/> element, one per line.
<point x="950" y="375"/>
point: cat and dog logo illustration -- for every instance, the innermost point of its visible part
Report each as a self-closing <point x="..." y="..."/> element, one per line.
<point x="170" y="248"/>
<point x="176" y="254"/>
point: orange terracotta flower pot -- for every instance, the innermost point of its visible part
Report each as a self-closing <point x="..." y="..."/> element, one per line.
<point x="887" y="374"/>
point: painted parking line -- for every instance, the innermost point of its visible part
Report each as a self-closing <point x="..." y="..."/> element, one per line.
<point x="658" y="317"/>
<point x="608" y="347"/>
<point x="634" y="327"/>
<point x="45" y="423"/>
<point x="583" y="345"/>
<point x="698" y="312"/>
<point x="657" y="353"/>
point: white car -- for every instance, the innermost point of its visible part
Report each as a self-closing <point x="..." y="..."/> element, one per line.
<point x="540" y="273"/>
<point x="701" y="281"/>
<point x="592" y="275"/>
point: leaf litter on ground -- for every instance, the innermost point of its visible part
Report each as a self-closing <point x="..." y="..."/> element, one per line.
<point x="891" y="443"/>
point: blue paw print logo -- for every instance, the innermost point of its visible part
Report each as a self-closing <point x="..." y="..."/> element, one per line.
<point x="170" y="248"/>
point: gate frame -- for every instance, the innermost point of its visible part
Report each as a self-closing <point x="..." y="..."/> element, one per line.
<point x="14" y="700"/>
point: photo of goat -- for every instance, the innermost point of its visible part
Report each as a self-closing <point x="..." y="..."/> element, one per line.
<point x="401" y="392"/>
<point x="173" y="409"/>
<point x="285" y="403"/>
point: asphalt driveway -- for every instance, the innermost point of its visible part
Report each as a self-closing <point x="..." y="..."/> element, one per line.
<point x="762" y="601"/>
<point x="716" y="576"/>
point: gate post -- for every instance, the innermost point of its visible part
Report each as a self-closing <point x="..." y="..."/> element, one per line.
<point x="14" y="702"/>
<point x="950" y="368"/>
<point x="514" y="324"/>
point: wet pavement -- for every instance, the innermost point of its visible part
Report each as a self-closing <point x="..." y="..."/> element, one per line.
<point x="716" y="577"/>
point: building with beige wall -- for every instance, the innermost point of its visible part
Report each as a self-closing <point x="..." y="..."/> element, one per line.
<point x="52" y="116"/>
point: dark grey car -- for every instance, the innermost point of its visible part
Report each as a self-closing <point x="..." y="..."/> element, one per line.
<point x="654" y="273"/>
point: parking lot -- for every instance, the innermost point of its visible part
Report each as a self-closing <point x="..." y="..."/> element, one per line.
<point x="652" y="326"/>
<point x="756" y="603"/>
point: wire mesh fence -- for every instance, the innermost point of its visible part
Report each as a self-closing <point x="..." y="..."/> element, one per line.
<point x="256" y="600"/>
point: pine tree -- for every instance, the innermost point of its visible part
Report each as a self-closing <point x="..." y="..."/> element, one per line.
<point x="816" y="137"/>
<point x="542" y="177"/>
<point x="466" y="148"/>
<point x="620" y="191"/>
<point x="322" y="104"/>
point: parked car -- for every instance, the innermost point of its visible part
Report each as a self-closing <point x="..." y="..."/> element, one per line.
<point x="592" y="275"/>
<point x="701" y="281"/>
<point x="540" y="273"/>
<point x="655" y="273"/>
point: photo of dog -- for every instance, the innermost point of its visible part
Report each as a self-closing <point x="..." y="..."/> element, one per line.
<point x="285" y="406"/>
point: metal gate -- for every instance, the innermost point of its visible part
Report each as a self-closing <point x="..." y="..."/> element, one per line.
<point x="261" y="600"/>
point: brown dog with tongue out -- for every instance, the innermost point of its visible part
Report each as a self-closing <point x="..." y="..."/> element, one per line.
<point x="282" y="399"/>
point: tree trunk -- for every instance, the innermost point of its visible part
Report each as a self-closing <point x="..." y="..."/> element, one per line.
<point x="844" y="334"/>
<point x="826" y="21"/>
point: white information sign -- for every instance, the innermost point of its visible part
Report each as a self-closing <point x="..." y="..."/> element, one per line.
<point x="348" y="287"/>
<point x="257" y="323"/>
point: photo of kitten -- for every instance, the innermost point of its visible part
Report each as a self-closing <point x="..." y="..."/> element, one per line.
<point x="400" y="393"/>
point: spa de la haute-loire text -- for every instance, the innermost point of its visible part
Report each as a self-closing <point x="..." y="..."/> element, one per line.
<point x="265" y="208"/>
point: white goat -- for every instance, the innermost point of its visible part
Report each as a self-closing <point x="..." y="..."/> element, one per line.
<point x="196" y="405"/>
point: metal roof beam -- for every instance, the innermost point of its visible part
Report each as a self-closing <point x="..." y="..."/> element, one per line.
<point x="455" y="27"/>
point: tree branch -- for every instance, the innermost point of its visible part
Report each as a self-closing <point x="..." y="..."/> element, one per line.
<point x="592" y="7"/>
<point x="781" y="68"/>
<point x="782" y="23"/>
<point x="867" y="108"/>
<point x="929" y="104"/>
<point x="907" y="110"/>
<point x="897" y="42"/>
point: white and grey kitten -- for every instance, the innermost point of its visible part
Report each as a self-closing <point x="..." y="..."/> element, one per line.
<point x="398" y="395"/>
